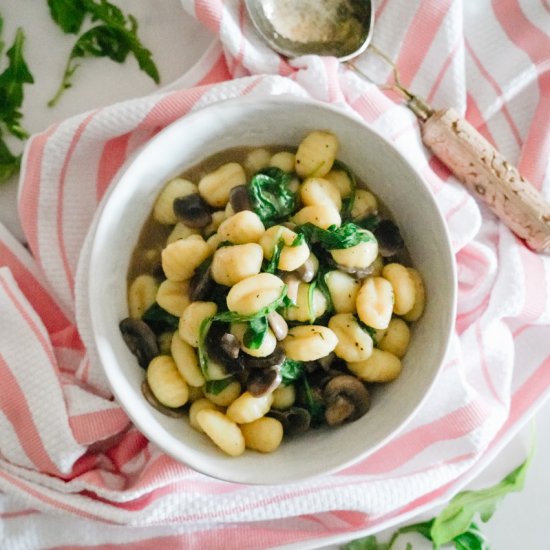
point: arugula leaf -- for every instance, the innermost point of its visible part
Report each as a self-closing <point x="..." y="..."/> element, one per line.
<point x="321" y="284"/>
<point x="333" y="238"/>
<point x="456" y="518"/>
<point x="115" y="38"/>
<point x="159" y="319"/>
<point x="313" y="404"/>
<point x="454" y="524"/>
<point x="255" y="332"/>
<point x="12" y="81"/>
<point x="215" y="387"/>
<point x="310" y="301"/>
<point x="203" y="356"/>
<point x="291" y="370"/>
<point x="270" y="195"/>
<point x="68" y="14"/>
<point x="275" y="256"/>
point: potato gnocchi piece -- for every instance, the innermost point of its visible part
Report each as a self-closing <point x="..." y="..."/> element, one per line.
<point x="186" y="361"/>
<point x="166" y="382"/>
<point x="309" y="342"/>
<point x="284" y="397"/>
<point x="241" y="228"/>
<point x="225" y="397"/>
<point x="181" y="231"/>
<point x="396" y="339"/>
<point x="403" y="287"/>
<point x="375" y="302"/>
<point x="222" y="431"/>
<point x="381" y="366"/>
<point x="285" y="161"/>
<point x="302" y="311"/>
<point x="360" y="256"/>
<point x="419" y="296"/>
<point x="254" y="293"/>
<point x="343" y="290"/>
<point x="142" y="295"/>
<point x="256" y="160"/>
<point x="192" y="317"/>
<point x="263" y="435"/>
<point x="214" y="242"/>
<point x="216" y="371"/>
<point x="247" y="408"/>
<point x="316" y="154"/>
<point x="316" y="191"/>
<point x="342" y="182"/>
<point x="292" y="257"/>
<point x="365" y="203"/>
<point x="173" y="296"/>
<point x="267" y="347"/>
<point x="182" y="257"/>
<point x="232" y="264"/>
<point x="354" y="343"/>
<point x="320" y="215"/>
<point x="215" y="187"/>
<point x="199" y="405"/>
<point x="163" y="211"/>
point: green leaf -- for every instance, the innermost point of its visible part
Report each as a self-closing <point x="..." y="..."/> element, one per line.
<point x="456" y="518"/>
<point x="68" y="14"/>
<point x="203" y="356"/>
<point x="291" y="371"/>
<point x="12" y="80"/>
<point x="334" y="238"/>
<point x="115" y="38"/>
<point x="9" y="163"/>
<point x="424" y="528"/>
<point x="159" y="319"/>
<point x="270" y="195"/>
<point x="275" y="256"/>
<point x="367" y="543"/>
<point x="310" y="301"/>
<point x="255" y="332"/>
<point x="215" y="387"/>
<point x="472" y="539"/>
<point x="313" y="404"/>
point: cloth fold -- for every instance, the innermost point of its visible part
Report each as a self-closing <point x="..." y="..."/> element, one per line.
<point x="68" y="449"/>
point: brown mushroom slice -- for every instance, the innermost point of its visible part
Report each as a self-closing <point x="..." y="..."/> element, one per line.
<point x="156" y="404"/>
<point x="224" y="348"/>
<point x="140" y="339"/>
<point x="346" y="399"/>
<point x="201" y="283"/>
<point x="278" y="325"/>
<point x="263" y="381"/>
<point x="390" y="241"/>
<point x="239" y="198"/>
<point x="275" y="359"/>
<point x="306" y="272"/>
<point x="192" y="211"/>
<point x="295" y="420"/>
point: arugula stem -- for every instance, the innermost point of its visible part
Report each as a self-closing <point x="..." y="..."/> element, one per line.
<point x="64" y="84"/>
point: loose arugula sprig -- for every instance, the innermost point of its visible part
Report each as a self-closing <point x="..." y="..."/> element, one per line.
<point x="455" y="523"/>
<point x="12" y="81"/>
<point x="345" y="236"/>
<point x="115" y="37"/>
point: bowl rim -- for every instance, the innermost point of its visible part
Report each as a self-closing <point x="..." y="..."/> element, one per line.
<point x="113" y="376"/>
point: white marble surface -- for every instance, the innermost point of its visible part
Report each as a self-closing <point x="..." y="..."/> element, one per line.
<point x="522" y="520"/>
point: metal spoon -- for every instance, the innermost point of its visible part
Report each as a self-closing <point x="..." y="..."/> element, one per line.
<point x="343" y="29"/>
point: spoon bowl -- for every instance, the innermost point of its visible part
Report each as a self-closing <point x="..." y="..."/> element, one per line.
<point x="339" y="28"/>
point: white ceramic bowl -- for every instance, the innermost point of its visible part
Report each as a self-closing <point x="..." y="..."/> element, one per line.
<point x="248" y="122"/>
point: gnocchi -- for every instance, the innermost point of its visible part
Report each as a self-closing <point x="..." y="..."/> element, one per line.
<point x="261" y="296"/>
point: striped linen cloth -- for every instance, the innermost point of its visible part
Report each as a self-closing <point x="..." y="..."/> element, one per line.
<point x="75" y="473"/>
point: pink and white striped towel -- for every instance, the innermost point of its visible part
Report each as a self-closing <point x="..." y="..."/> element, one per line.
<point x="74" y="472"/>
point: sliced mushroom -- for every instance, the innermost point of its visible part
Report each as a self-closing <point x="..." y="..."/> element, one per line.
<point x="390" y="241"/>
<point x="326" y="362"/>
<point x="155" y="403"/>
<point x="224" y="348"/>
<point x="355" y="272"/>
<point x="140" y="339"/>
<point x="239" y="198"/>
<point x="278" y="325"/>
<point x="294" y="420"/>
<point x="346" y="399"/>
<point x="201" y="284"/>
<point x="276" y="358"/>
<point x="192" y="211"/>
<point x="306" y="272"/>
<point x="263" y="381"/>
